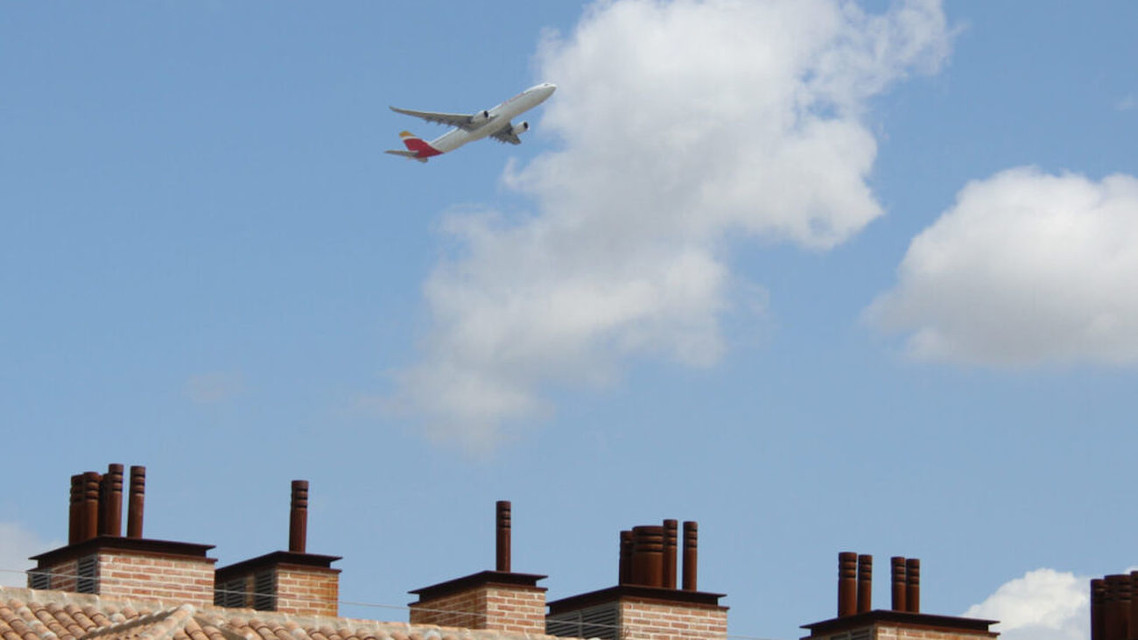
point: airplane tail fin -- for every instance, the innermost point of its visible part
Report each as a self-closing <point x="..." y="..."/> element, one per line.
<point x="420" y="147"/>
<point x="409" y="139"/>
<point x="417" y="148"/>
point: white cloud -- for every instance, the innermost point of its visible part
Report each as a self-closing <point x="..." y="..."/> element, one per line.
<point x="1025" y="269"/>
<point x="1042" y="605"/>
<point x="17" y="544"/>
<point x="215" y="387"/>
<point x="681" y="123"/>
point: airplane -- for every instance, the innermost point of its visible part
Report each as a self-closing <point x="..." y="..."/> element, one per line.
<point x="493" y="123"/>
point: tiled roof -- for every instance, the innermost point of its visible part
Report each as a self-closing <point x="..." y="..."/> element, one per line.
<point x="27" y="614"/>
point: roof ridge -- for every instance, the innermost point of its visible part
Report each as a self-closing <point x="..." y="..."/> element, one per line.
<point x="60" y="596"/>
<point x="173" y="623"/>
<point x="224" y="627"/>
<point x="166" y="623"/>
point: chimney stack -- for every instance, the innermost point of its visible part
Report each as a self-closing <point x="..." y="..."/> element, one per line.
<point x="646" y="603"/>
<point x="137" y="502"/>
<point x="502" y="537"/>
<point x="864" y="583"/>
<point x="858" y="619"/>
<point x="103" y="502"/>
<point x="294" y="582"/>
<point x="95" y="505"/>
<point x="1123" y="597"/>
<point x="99" y="560"/>
<point x="110" y="502"/>
<point x="847" y="583"/>
<point x="625" y="557"/>
<point x="1116" y="609"/>
<point x="499" y="600"/>
<point x="691" y="555"/>
<point x="1132" y="615"/>
<point x="1110" y="609"/>
<point x="670" y="539"/>
<point x="648" y="556"/>
<point x="913" y="585"/>
<point x="1098" y="604"/>
<point x="298" y="517"/>
<point x="75" y="513"/>
<point x="90" y="520"/>
<point x="897" y="564"/>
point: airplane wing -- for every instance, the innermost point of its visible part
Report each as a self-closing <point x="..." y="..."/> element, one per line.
<point x="460" y="120"/>
<point x="506" y="134"/>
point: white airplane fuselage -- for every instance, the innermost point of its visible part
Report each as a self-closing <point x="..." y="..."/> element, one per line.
<point x="503" y="113"/>
<point x="495" y="122"/>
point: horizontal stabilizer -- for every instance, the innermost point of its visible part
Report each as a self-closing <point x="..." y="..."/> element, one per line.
<point x="406" y="154"/>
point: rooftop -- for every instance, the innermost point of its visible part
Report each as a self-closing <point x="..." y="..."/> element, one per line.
<point x="27" y="614"/>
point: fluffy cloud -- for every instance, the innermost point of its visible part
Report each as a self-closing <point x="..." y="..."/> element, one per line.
<point x="16" y="546"/>
<point x="1042" y="605"/>
<point x="1026" y="268"/>
<point x="681" y="122"/>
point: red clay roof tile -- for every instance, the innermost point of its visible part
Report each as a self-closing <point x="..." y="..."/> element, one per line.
<point x="27" y="614"/>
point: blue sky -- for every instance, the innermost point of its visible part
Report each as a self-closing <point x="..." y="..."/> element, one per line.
<point x="822" y="276"/>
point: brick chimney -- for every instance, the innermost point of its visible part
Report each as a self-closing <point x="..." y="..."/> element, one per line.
<point x="292" y="581"/>
<point x="857" y="619"/>
<point x="645" y="602"/>
<point x="98" y="560"/>
<point x="500" y="600"/>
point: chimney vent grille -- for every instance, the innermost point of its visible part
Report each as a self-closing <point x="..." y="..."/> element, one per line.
<point x="593" y="622"/>
<point x="87" y="580"/>
<point x="265" y="591"/>
<point x="39" y="580"/>
<point x="230" y="594"/>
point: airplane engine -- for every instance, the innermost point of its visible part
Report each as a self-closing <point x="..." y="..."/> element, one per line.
<point x="520" y="128"/>
<point x="480" y="117"/>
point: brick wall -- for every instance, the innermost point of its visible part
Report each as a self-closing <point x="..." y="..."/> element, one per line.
<point x="185" y="580"/>
<point x="308" y="590"/>
<point x="465" y="610"/>
<point x="284" y="581"/>
<point x="511" y="608"/>
<point x="898" y="625"/>
<point x="122" y="573"/>
<point x="891" y="632"/>
<point x="648" y="620"/>
<point x="516" y="610"/>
